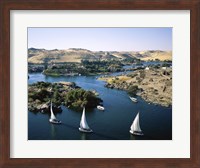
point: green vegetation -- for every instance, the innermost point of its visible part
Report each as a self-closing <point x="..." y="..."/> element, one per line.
<point x="42" y="95"/>
<point x="52" y="72"/>
<point x="79" y="98"/>
<point x="84" y="68"/>
<point x="129" y="61"/>
<point x="63" y="93"/>
<point x="102" y="66"/>
<point x="132" y="90"/>
<point x="70" y="69"/>
<point x="42" y="84"/>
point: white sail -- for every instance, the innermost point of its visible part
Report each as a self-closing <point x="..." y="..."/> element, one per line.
<point x="136" y="124"/>
<point x="52" y="114"/>
<point x="83" y="123"/>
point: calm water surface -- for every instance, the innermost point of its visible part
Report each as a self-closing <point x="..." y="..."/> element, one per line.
<point x="112" y="124"/>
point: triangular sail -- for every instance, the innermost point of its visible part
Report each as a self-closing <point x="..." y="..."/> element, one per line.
<point x="83" y="123"/>
<point x="136" y="124"/>
<point x="52" y="114"/>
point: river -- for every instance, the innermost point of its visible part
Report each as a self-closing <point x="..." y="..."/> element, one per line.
<point x="112" y="124"/>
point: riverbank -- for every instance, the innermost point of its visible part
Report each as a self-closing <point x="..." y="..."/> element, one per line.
<point x="153" y="85"/>
<point x="53" y="74"/>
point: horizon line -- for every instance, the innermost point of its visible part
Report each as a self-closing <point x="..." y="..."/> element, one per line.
<point x="100" y="50"/>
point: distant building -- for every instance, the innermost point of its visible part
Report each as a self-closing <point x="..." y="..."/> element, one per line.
<point x="107" y="53"/>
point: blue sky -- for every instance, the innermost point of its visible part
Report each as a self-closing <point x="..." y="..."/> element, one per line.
<point x="101" y="39"/>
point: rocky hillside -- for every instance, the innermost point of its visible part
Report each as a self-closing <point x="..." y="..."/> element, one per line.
<point x="78" y="54"/>
<point x="153" y="85"/>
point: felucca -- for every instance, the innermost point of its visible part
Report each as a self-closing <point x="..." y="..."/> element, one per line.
<point x="53" y="118"/>
<point x="135" y="127"/>
<point x="83" y="124"/>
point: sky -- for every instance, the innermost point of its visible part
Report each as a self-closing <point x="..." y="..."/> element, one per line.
<point x="101" y="39"/>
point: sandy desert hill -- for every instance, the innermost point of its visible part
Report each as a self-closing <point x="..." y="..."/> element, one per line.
<point x="78" y="54"/>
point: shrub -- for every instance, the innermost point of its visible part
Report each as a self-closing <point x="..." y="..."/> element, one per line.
<point x="78" y="98"/>
<point x="132" y="90"/>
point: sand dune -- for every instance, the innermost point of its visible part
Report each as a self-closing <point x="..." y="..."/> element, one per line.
<point x="78" y="54"/>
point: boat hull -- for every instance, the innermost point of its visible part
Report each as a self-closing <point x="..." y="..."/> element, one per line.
<point x="84" y="130"/>
<point x="133" y="99"/>
<point x="55" y="121"/>
<point x="136" y="133"/>
<point x="100" y="108"/>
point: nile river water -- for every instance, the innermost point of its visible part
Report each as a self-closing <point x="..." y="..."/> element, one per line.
<point x="112" y="124"/>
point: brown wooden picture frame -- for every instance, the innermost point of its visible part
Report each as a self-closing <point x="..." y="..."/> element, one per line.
<point x="7" y="5"/>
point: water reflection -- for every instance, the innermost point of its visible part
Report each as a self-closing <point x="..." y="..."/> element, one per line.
<point x="53" y="131"/>
<point x="83" y="136"/>
<point x="132" y="137"/>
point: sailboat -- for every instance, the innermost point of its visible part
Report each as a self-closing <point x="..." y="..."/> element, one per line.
<point x="53" y="118"/>
<point x="83" y="124"/>
<point x="135" y="127"/>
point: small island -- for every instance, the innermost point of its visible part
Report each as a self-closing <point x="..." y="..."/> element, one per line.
<point x="62" y="93"/>
<point x="85" y="68"/>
